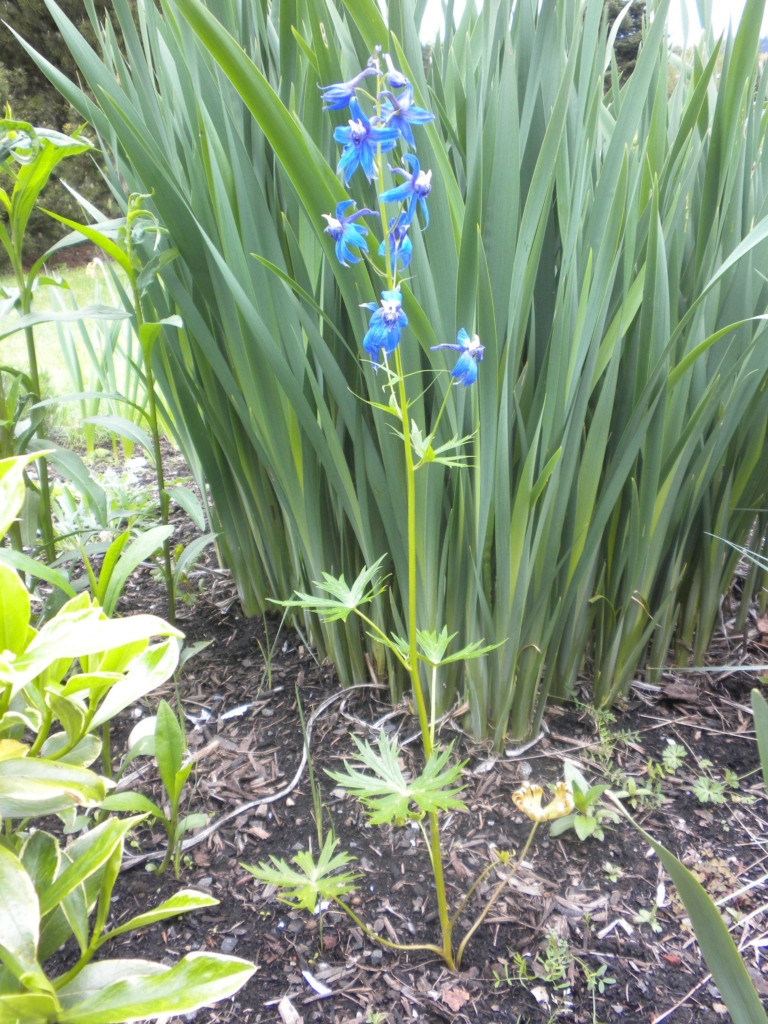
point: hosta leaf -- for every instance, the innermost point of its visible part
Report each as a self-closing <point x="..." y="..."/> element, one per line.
<point x="198" y="980"/>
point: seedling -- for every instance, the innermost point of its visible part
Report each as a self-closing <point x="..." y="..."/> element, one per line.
<point x="168" y="746"/>
<point x="673" y="757"/>
<point x="709" y="791"/>
<point x="597" y="981"/>
<point x="648" y="916"/>
<point x="589" y="814"/>
<point x="557" y="961"/>
<point x="613" y="872"/>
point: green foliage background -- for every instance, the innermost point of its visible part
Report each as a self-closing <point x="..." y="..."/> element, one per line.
<point x="32" y="98"/>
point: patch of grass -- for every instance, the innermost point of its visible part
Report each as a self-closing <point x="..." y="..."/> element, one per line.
<point x="50" y="356"/>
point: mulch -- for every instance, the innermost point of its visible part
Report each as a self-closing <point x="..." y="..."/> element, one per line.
<point x="564" y="917"/>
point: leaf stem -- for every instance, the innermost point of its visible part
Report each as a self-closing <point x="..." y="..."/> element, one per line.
<point x="386" y="639"/>
<point x="377" y="938"/>
<point x="496" y="893"/>
<point x="155" y="430"/>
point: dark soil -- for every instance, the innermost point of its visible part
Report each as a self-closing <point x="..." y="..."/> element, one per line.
<point x="564" y="916"/>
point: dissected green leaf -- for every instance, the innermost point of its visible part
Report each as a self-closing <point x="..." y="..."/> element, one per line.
<point x="343" y="599"/>
<point x="314" y="880"/>
<point x="386" y="793"/>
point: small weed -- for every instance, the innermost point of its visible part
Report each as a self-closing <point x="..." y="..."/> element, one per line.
<point x="673" y="757"/>
<point x="557" y="959"/>
<point x="709" y="791"/>
<point x="613" y="872"/>
<point x="731" y="779"/>
<point x="597" y="982"/>
<point x="648" y="916"/>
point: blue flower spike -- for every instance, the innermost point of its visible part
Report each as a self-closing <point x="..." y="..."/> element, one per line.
<point x="337" y="97"/>
<point x="401" y="112"/>
<point x="465" y="370"/>
<point x="414" y="190"/>
<point x="400" y="245"/>
<point x="386" y="324"/>
<point x="360" y="140"/>
<point x="346" y="233"/>
<point x="395" y="79"/>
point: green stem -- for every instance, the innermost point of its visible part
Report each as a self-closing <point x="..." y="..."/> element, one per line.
<point x="106" y="750"/>
<point x="385" y="638"/>
<point x="410" y="478"/>
<point x="155" y="430"/>
<point x="488" y="868"/>
<point x="496" y="893"/>
<point x="42" y="733"/>
<point x="442" y="903"/>
<point x="46" y="518"/>
<point x="377" y="938"/>
<point x="73" y="972"/>
<point x="170" y="828"/>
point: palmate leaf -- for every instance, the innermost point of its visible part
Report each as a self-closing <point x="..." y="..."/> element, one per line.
<point x="312" y="881"/>
<point x="388" y="796"/>
<point x="433" y="645"/>
<point x="344" y="599"/>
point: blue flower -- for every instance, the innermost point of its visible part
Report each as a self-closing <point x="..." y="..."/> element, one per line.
<point x="337" y="97"/>
<point x="401" y="112"/>
<point x="400" y="245"/>
<point x="360" y="140"/>
<point x="465" y="370"/>
<point x="395" y="79"/>
<point x="413" y="190"/>
<point x="386" y="324"/>
<point x="346" y="233"/>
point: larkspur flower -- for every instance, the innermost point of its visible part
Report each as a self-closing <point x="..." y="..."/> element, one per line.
<point x="386" y="324"/>
<point x="360" y="140"/>
<point x="337" y="97"/>
<point x="415" y="189"/>
<point x="400" y="245"/>
<point x="465" y="370"/>
<point x="346" y="233"/>
<point x="395" y="79"/>
<point x="401" y="112"/>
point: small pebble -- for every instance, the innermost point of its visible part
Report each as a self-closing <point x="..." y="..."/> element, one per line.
<point x="267" y="712"/>
<point x="228" y="944"/>
<point x="206" y="883"/>
<point x="524" y="770"/>
<point x="261" y="811"/>
<point x="377" y="955"/>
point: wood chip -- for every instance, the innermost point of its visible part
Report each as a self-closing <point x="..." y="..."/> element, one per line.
<point x="288" y="1012"/>
<point x="454" y="998"/>
<point x="688" y="693"/>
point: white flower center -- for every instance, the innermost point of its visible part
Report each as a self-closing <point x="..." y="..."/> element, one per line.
<point x="424" y="182"/>
<point x="358" y="131"/>
<point x="334" y="226"/>
<point x="390" y="311"/>
<point x="474" y="346"/>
